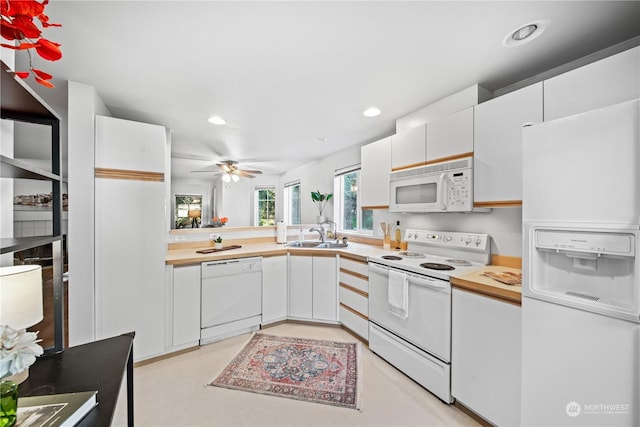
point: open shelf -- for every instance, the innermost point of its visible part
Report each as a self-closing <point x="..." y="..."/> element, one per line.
<point x="12" y="168"/>
<point x="22" y="104"/>
<point x="15" y="244"/>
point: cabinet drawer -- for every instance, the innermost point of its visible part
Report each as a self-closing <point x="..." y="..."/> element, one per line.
<point x="354" y="300"/>
<point x="355" y="282"/>
<point x="354" y="266"/>
<point x="354" y="322"/>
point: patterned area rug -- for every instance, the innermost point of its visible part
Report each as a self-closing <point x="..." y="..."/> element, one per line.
<point x="297" y="368"/>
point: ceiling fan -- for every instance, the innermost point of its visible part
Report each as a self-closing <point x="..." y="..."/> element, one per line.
<point x="230" y="171"/>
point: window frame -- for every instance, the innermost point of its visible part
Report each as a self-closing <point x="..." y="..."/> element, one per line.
<point x="288" y="208"/>
<point x="339" y="205"/>
<point x="256" y="200"/>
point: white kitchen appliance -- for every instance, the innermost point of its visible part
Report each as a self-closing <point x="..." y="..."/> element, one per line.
<point x="410" y="303"/>
<point x="439" y="187"/>
<point x="581" y="264"/>
<point x="231" y="301"/>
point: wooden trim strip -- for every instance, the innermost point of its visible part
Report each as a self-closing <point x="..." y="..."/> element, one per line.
<point x="354" y="257"/>
<point x="498" y="204"/>
<point x="129" y="174"/>
<point x="430" y="162"/>
<point x="375" y="207"/>
<point x="449" y="158"/>
<point x="357" y="313"/>
<point x="506" y="261"/>
<point x="412" y="165"/>
<point x="354" y="274"/>
<point x="354" y="290"/>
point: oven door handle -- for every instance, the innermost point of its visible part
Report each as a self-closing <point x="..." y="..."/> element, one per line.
<point x="428" y="282"/>
<point x="379" y="269"/>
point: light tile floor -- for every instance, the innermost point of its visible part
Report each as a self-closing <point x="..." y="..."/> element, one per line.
<point x="172" y="392"/>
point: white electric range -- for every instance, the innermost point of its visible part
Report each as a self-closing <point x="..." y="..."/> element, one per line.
<point x="410" y="302"/>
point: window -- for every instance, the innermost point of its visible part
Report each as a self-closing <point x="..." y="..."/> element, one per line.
<point x="348" y="212"/>
<point x="188" y="211"/>
<point x="292" y="203"/>
<point x="265" y="206"/>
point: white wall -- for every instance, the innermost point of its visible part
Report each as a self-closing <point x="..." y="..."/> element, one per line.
<point x="504" y="224"/>
<point x="192" y="187"/>
<point x="318" y="176"/>
<point x="235" y="200"/>
<point x="84" y="104"/>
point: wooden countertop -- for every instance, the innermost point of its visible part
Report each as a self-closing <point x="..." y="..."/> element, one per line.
<point x="480" y="284"/>
<point x="474" y="281"/>
<point x="186" y="256"/>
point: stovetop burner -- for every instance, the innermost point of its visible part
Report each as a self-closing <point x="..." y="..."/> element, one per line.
<point x="436" y="266"/>
<point x="459" y="262"/>
<point x="391" y="257"/>
<point x="410" y="254"/>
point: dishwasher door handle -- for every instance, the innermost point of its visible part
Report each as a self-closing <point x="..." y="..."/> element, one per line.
<point x="213" y="264"/>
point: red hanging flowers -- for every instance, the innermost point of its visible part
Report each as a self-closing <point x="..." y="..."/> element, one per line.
<point x="17" y="24"/>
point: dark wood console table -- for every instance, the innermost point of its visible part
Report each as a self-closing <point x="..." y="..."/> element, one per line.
<point x="99" y="365"/>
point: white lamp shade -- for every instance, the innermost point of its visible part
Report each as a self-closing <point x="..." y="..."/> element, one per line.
<point x="20" y="296"/>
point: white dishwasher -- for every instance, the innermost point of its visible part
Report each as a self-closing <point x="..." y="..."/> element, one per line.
<point x="231" y="299"/>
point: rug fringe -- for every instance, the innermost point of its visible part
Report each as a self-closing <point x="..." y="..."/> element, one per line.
<point x="360" y="370"/>
<point x="208" y="383"/>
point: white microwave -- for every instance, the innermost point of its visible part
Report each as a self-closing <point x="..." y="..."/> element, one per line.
<point x="439" y="187"/>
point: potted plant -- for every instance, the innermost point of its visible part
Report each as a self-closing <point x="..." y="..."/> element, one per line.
<point x="321" y="200"/>
<point x="217" y="241"/>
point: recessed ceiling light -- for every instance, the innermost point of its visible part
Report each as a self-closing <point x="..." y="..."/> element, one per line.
<point x="217" y="120"/>
<point x="371" y="112"/>
<point x="320" y="139"/>
<point x="525" y="33"/>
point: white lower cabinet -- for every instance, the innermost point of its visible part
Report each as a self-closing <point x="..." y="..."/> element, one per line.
<point x="274" y="289"/>
<point x="313" y="291"/>
<point x="485" y="356"/>
<point x="185" y="307"/>
<point x="300" y="287"/>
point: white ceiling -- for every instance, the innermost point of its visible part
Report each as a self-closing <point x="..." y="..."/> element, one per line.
<point x="284" y="73"/>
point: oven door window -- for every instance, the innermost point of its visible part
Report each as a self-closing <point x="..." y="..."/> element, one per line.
<point x="417" y="193"/>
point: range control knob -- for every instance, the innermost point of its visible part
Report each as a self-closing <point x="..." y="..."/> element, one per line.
<point x="467" y="240"/>
<point x="447" y="238"/>
<point x="478" y="241"/>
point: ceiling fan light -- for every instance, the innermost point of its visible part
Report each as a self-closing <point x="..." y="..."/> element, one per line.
<point x="235" y="178"/>
<point x="226" y="177"/>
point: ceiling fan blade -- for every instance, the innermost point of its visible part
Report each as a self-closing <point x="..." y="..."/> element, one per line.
<point x="256" y="172"/>
<point x="243" y="173"/>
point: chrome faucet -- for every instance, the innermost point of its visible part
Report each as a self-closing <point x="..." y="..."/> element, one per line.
<point x="320" y="231"/>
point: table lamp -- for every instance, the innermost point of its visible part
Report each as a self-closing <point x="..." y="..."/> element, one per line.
<point x="195" y="216"/>
<point x="21" y="297"/>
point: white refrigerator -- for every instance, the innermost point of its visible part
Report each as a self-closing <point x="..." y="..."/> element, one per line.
<point x="581" y="270"/>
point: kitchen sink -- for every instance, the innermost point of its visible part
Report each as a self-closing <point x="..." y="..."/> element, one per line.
<point x="316" y="244"/>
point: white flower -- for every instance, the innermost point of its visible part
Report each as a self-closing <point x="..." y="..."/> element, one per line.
<point x="18" y="350"/>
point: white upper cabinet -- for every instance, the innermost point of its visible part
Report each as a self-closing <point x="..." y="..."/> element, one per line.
<point x="409" y="148"/>
<point x="606" y="82"/>
<point x="497" y="162"/>
<point x="375" y="166"/>
<point x="128" y="145"/>
<point x="450" y="135"/>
